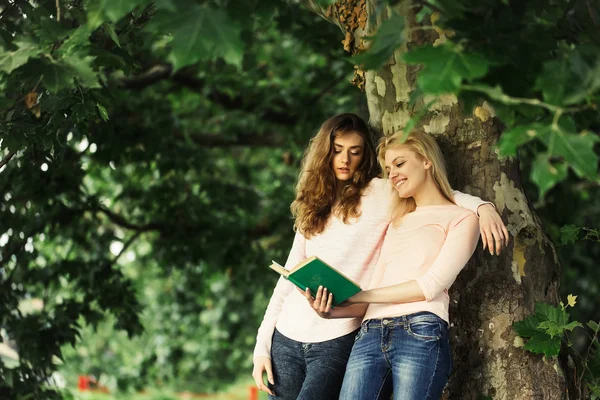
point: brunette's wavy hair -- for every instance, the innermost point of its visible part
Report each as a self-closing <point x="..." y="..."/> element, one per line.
<point x="316" y="187"/>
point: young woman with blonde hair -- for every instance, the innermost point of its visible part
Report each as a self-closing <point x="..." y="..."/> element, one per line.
<point x="403" y="346"/>
<point x="341" y="214"/>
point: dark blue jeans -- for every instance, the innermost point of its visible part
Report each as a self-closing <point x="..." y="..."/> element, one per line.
<point x="309" y="371"/>
<point x="408" y="356"/>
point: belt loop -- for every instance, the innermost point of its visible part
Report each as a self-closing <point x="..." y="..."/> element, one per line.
<point x="365" y="326"/>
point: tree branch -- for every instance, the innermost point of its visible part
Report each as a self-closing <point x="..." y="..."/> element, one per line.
<point x="126" y="246"/>
<point x="7" y="159"/>
<point x="252" y="140"/>
<point x="161" y="72"/>
<point x="118" y="220"/>
<point x="155" y="74"/>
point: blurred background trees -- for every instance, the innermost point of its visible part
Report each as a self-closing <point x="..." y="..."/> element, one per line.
<point x="148" y="158"/>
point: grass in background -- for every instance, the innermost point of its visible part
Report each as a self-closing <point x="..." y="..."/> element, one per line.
<point x="237" y="391"/>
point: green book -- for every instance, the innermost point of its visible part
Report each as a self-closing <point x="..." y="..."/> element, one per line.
<point x="314" y="272"/>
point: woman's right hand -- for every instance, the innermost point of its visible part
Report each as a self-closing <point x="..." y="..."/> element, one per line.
<point x="321" y="303"/>
<point x="262" y="365"/>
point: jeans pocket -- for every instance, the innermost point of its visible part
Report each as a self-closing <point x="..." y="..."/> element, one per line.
<point x="360" y="334"/>
<point x="425" y="330"/>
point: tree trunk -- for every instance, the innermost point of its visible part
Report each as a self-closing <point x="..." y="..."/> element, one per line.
<point x="492" y="292"/>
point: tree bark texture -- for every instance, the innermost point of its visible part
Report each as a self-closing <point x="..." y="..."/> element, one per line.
<point x="491" y="292"/>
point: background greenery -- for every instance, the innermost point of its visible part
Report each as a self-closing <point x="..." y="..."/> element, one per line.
<point x="150" y="150"/>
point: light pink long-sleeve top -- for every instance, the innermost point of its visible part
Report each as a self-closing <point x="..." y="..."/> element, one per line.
<point x="431" y="246"/>
<point x="352" y="248"/>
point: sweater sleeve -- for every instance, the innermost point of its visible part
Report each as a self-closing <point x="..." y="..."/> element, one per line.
<point x="281" y="291"/>
<point x="456" y="251"/>
<point x="469" y="202"/>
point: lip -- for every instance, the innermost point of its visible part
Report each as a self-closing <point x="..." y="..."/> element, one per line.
<point x="344" y="170"/>
<point x="396" y="181"/>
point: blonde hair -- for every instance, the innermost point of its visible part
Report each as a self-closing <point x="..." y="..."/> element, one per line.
<point x="316" y="187"/>
<point x="425" y="146"/>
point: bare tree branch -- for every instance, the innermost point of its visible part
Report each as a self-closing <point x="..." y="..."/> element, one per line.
<point x="155" y="74"/>
<point x="117" y="219"/>
<point x="126" y="246"/>
<point x="253" y="140"/>
<point x="7" y="159"/>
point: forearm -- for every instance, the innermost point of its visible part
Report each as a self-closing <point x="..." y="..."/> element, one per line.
<point x="352" y="311"/>
<point x="469" y="202"/>
<point x="407" y="292"/>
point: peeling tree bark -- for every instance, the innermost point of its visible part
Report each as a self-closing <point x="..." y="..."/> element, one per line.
<point x="492" y="292"/>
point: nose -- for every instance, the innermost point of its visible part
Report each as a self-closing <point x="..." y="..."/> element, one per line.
<point x="344" y="157"/>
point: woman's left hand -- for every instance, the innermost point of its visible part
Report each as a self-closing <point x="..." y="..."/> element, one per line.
<point x="322" y="301"/>
<point x="493" y="231"/>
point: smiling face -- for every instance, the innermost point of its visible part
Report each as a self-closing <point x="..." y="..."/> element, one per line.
<point x="348" y="150"/>
<point x="407" y="170"/>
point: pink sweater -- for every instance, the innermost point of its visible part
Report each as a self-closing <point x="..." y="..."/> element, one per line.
<point x="352" y="248"/>
<point x="431" y="246"/>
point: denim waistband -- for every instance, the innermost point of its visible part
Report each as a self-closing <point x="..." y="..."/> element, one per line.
<point x="403" y="320"/>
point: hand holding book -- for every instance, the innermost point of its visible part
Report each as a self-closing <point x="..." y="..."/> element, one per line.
<point x="322" y="301"/>
<point x="322" y="305"/>
<point x="313" y="273"/>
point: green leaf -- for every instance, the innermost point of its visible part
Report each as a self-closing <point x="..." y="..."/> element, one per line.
<point x="83" y="72"/>
<point x="569" y="234"/>
<point x="115" y="10"/>
<point x="446" y="66"/>
<point x="99" y="11"/>
<point x="528" y="327"/>
<point x="553" y="81"/>
<point x="546" y="174"/>
<point x="60" y="74"/>
<point x="512" y="138"/>
<point x="199" y="34"/>
<point x="553" y="329"/>
<point x="593" y="325"/>
<point x="386" y="40"/>
<point x="547" y="312"/>
<point x="543" y="344"/>
<point x="11" y="60"/>
<point x="587" y="79"/>
<point x="575" y="149"/>
<point x="57" y="76"/>
<point x="103" y="112"/>
<point x="111" y="32"/>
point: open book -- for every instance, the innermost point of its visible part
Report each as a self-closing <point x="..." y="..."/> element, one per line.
<point x="314" y="272"/>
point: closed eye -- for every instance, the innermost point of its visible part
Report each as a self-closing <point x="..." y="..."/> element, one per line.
<point x="399" y="164"/>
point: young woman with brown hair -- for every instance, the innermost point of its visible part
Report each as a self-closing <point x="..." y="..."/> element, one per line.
<point x="341" y="214"/>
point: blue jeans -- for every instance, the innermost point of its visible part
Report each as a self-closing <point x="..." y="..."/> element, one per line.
<point x="309" y="371"/>
<point x="408" y="356"/>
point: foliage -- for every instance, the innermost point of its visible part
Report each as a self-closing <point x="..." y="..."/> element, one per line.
<point x="537" y="64"/>
<point x="145" y="183"/>
<point x="546" y="329"/>
<point x="149" y="150"/>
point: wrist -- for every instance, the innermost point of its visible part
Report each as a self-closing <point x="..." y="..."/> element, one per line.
<point x="485" y="207"/>
<point x="360" y="297"/>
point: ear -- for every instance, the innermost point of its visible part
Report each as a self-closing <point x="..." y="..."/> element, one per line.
<point x="427" y="164"/>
